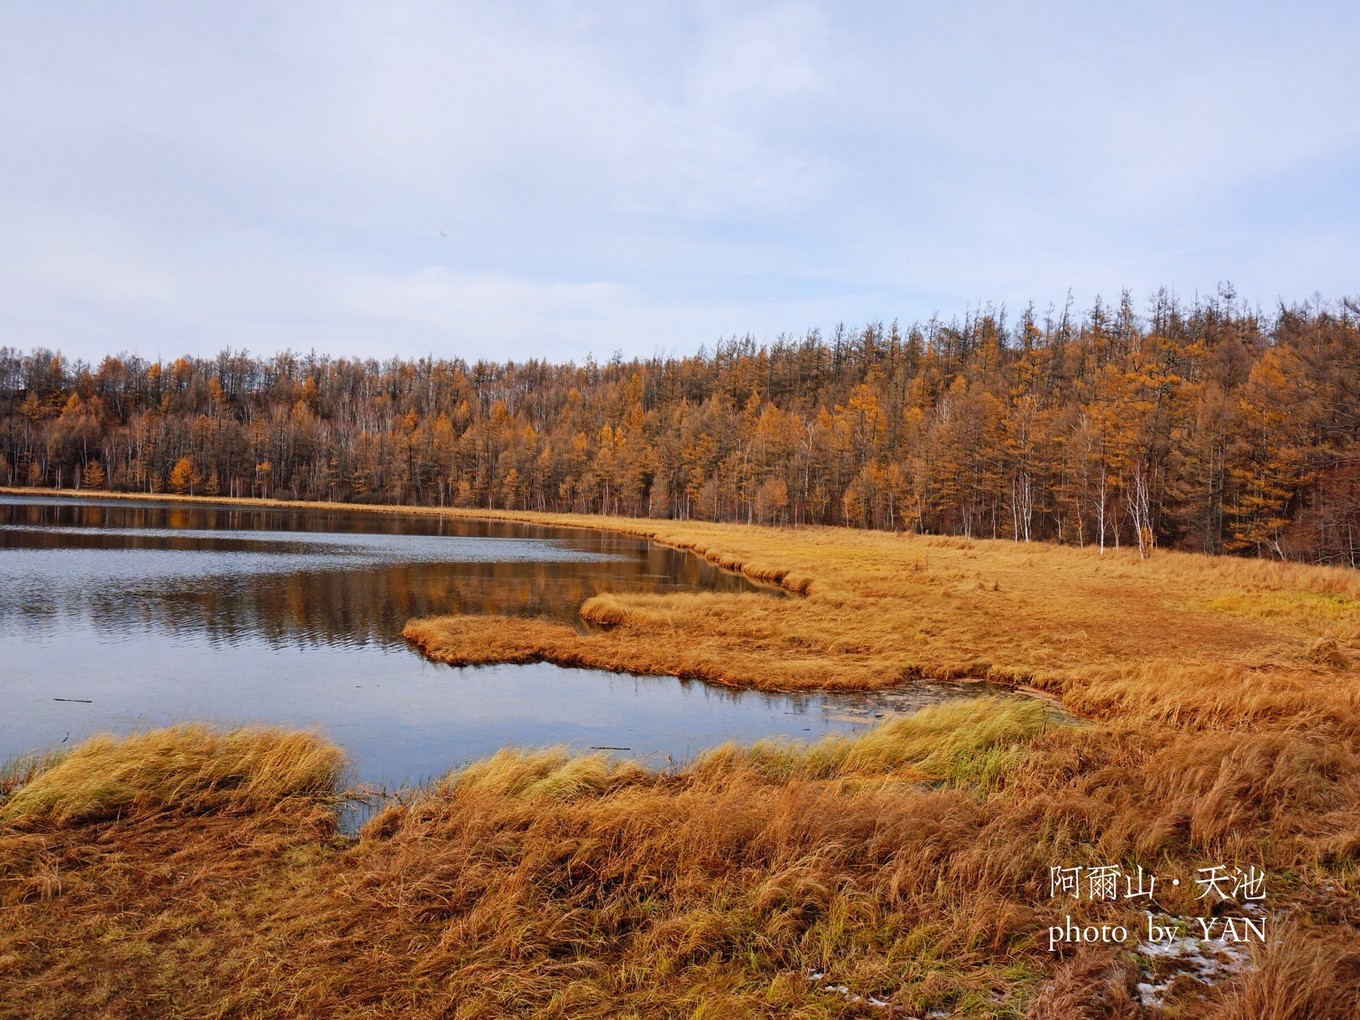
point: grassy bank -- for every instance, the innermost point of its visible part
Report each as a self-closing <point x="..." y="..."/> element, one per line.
<point x="909" y="865"/>
<point x="185" y="872"/>
<point x="1179" y="638"/>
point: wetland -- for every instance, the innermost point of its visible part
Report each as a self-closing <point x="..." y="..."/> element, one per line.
<point x="121" y="616"/>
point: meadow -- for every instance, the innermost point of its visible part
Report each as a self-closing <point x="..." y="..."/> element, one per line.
<point x="1212" y="727"/>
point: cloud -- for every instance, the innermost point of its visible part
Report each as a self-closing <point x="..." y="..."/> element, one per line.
<point x="530" y="179"/>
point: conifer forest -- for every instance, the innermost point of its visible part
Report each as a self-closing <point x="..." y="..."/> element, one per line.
<point x="1208" y="426"/>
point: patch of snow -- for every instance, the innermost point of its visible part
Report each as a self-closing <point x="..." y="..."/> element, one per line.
<point x="1207" y="961"/>
<point x="844" y="991"/>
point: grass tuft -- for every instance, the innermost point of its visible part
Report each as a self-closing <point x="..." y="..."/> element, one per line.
<point x="186" y="768"/>
<point x="552" y="774"/>
<point x="1296" y="976"/>
<point x="971" y="743"/>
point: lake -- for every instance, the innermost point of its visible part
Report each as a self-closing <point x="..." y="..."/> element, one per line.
<point x="120" y="616"/>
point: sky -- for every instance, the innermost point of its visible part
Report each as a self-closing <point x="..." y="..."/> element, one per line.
<point x="510" y="180"/>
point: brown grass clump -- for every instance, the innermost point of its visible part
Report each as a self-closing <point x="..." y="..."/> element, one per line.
<point x="1297" y="977"/>
<point x="138" y="877"/>
<point x="553" y="774"/>
<point x="189" y="768"/>
<point x="1093" y="985"/>
<point x="972" y="743"/>
<point x="20" y="770"/>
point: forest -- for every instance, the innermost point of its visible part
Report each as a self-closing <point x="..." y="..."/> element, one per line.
<point x="1209" y="426"/>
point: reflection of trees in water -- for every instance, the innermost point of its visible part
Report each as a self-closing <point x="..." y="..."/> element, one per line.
<point x="355" y="605"/>
<point x="175" y="517"/>
<point x="373" y="605"/>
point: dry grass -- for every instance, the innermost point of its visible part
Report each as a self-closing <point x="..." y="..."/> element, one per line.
<point x="190" y="768"/>
<point x="1181" y="639"/>
<point x="910" y="863"/>
<point x="969" y="743"/>
<point x="1297" y="978"/>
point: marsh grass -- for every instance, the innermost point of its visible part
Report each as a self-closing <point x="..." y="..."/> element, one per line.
<point x="1180" y="639"/>
<point x="544" y="884"/>
<point x="968" y="744"/>
<point x="21" y="770"/>
<point x="192" y="768"/>
<point x="1297" y="978"/>
<point x="910" y="863"/>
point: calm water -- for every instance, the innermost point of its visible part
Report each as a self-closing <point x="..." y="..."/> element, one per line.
<point x="122" y="616"/>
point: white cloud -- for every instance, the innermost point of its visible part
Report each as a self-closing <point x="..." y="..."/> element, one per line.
<point x="556" y="178"/>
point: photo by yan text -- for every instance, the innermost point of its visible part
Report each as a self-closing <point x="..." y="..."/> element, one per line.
<point x="1233" y="906"/>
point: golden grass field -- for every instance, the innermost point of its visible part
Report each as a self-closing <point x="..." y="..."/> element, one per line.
<point x="904" y="872"/>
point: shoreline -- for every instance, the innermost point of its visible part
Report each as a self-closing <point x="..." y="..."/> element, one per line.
<point x="634" y="527"/>
<point x="543" y="641"/>
<point x="882" y="609"/>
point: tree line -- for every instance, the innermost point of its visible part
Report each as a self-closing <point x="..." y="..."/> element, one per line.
<point x="1210" y="426"/>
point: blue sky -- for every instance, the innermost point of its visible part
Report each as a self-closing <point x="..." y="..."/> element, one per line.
<point x="518" y="180"/>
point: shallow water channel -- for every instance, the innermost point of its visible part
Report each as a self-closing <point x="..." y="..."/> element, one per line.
<point x="121" y="616"/>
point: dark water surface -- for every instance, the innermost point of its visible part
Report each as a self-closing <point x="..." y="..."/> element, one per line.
<point x="119" y="616"/>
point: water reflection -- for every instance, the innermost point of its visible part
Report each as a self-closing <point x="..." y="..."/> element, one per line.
<point x="310" y="577"/>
